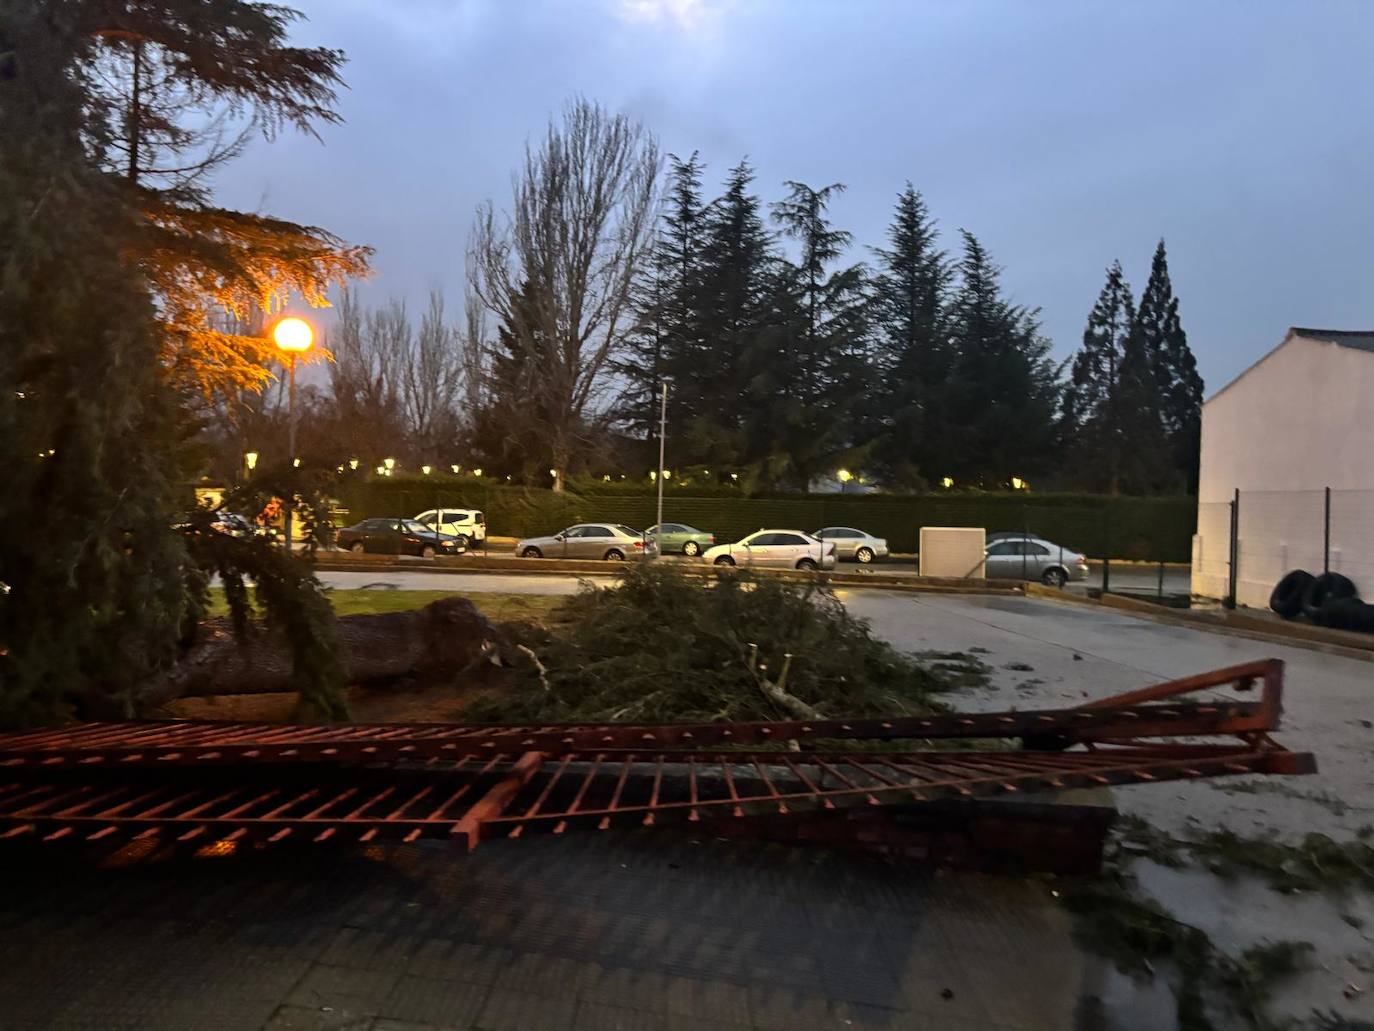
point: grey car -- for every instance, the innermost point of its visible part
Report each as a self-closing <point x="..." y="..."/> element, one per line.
<point x="1033" y="558"/>
<point x="853" y="545"/>
<point x="613" y="542"/>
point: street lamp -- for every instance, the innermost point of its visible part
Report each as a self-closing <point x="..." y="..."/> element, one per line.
<point x="250" y="462"/>
<point x="426" y="469"/>
<point x="293" y="337"/>
<point x="388" y="464"/>
<point x="353" y="464"/>
<point x="456" y="469"/>
<point x="477" y="473"/>
<point x="844" y="476"/>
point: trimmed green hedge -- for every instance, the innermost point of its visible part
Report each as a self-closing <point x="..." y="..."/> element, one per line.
<point x="1154" y="529"/>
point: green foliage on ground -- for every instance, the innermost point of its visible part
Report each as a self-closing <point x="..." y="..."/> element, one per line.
<point x="661" y="646"/>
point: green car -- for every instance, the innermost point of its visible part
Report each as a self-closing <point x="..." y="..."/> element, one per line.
<point x="681" y="537"/>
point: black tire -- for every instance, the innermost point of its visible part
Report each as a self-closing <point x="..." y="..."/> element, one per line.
<point x="863" y="556"/>
<point x="1286" y="598"/>
<point x="1054" y="577"/>
<point x="1348" y="614"/>
<point x="807" y="565"/>
<point x="724" y="560"/>
<point x="614" y="555"/>
<point x="1323" y="589"/>
<point x="531" y="553"/>
<point x="691" y="549"/>
<point x="357" y="548"/>
<point x="427" y="551"/>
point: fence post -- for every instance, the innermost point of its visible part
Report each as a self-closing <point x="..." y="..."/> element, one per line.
<point x="1161" y="581"/>
<point x="1107" y="549"/>
<point x="1025" y="529"/>
<point x="1230" y="600"/>
<point x="1326" y="534"/>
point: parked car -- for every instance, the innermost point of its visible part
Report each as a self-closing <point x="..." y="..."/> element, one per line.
<point x="1034" y="558"/>
<point x="466" y="523"/>
<point x="612" y="542"/>
<point x="852" y="544"/>
<point x="391" y="536"/>
<point x="679" y="537"/>
<point x="774" y="549"/>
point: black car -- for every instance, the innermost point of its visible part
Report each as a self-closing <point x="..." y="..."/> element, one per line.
<point x="391" y="536"/>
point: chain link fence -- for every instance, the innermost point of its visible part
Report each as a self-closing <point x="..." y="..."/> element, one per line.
<point x="1244" y="546"/>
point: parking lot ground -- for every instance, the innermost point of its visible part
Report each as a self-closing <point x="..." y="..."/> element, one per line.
<point x="667" y="930"/>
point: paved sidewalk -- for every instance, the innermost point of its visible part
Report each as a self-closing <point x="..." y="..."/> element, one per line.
<point x="595" y="933"/>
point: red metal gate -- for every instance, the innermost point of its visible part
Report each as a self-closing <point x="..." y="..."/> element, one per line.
<point x="205" y="781"/>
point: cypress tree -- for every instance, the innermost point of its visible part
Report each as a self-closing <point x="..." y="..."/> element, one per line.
<point x="718" y="385"/>
<point x="1091" y="407"/>
<point x="1003" y="389"/>
<point x="1179" y="386"/>
<point x="913" y="354"/>
<point x="819" y="381"/>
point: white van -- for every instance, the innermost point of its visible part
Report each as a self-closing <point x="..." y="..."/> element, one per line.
<point x="461" y="522"/>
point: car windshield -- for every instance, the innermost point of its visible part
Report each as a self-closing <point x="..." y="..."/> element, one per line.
<point x="412" y="526"/>
<point x="626" y="530"/>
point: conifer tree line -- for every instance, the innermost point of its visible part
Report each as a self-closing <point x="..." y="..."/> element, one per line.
<point x="789" y="350"/>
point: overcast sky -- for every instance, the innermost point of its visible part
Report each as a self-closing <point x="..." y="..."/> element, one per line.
<point x="1063" y="134"/>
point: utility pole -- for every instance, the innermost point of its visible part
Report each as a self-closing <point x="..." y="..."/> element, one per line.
<point x="662" y="429"/>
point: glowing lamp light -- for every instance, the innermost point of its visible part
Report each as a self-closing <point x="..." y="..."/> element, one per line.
<point x="381" y="470"/>
<point x="1018" y="484"/>
<point x="390" y="463"/>
<point x="667" y="474"/>
<point x="250" y="459"/>
<point x="295" y="463"/>
<point x="293" y="335"/>
<point x="606" y="478"/>
<point x="426" y="469"/>
<point x="477" y="473"/>
<point x="844" y="475"/>
<point x="456" y="469"/>
<point x="734" y="476"/>
<point x="947" y="482"/>
<point x="653" y="474"/>
<point x="353" y="464"/>
<point x="553" y="473"/>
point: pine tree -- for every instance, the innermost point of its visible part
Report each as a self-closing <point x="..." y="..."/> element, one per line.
<point x="1091" y="407"/>
<point x="172" y="88"/>
<point x="908" y="311"/>
<point x="1002" y="388"/>
<point x="820" y="380"/>
<point x="1180" y="388"/>
<point x="717" y="385"/>
<point x="666" y="343"/>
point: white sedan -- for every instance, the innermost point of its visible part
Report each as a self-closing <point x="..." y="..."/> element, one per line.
<point x="774" y="549"/>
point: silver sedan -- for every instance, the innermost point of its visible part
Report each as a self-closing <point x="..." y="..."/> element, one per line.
<point x="609" y="541"/>
<point x="777" y="549"/>
<point x="853" y="545"/>
<point x="1023" y="557"/>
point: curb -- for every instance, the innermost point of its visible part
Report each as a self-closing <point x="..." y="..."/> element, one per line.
<point x="1247" y="627"/>
<point x="466" y="566"/>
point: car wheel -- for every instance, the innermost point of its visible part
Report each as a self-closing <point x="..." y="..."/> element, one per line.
<point x="427" y="551"/>
<point x="614" y="556"/>
<point x="357" y="548"/>
<point x="1054" y="578"/>
<point x="724" y="560"/>
<point x="864" y="556"/>
<point x="807" y="564"/>
<point x="691" y="549"/>
<point x="532" y="553"/>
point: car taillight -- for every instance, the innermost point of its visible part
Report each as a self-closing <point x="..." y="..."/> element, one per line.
<point x="710" y="538"/>
<point x="639" y="544"/>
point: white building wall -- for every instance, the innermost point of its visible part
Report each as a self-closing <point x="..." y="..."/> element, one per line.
<point x="1298" y="421"/>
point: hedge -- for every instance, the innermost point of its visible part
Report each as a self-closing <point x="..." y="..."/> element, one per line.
<point x="1153" y="529"/>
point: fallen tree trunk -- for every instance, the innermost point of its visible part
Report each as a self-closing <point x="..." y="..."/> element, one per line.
<point x="444" y="637"/>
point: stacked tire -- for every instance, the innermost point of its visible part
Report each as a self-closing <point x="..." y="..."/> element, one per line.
<point x="1327" y="599"/>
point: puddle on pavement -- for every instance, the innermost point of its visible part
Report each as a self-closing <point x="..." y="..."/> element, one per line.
<point x="1242" y="912"/>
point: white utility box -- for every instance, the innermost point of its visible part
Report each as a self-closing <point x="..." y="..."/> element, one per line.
<point x="953" y="551"/>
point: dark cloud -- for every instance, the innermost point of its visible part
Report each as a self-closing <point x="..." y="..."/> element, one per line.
<point x="1063" y="134"/>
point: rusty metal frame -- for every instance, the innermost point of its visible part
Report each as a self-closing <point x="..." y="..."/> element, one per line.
<point x="203" y="782"/>
<point x="1139" y="714"/>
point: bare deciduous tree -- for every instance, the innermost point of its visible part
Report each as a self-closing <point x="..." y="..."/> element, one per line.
<point x="430" y="380"/>
<point x="558" y="269"/>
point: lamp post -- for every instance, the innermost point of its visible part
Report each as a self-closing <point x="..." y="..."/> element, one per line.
<point x="250" y="462"/>
<point x="844" y="476"/>
<point x="662" y="473"/>
<point x="293" y="337"/>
